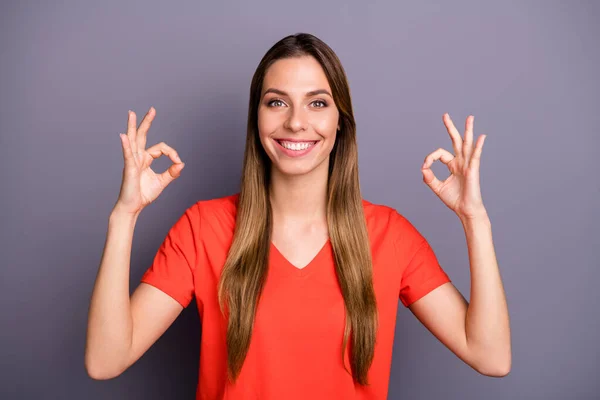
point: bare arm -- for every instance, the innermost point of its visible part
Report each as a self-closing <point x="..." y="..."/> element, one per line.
<point x="479" y="332"/>
<point x="120" y="328"/>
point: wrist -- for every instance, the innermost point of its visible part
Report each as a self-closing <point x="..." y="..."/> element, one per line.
<point x="121" y="215"/>
<point x="474" y="221"/>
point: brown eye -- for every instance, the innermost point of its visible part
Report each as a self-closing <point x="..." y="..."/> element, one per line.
<point x="274" y="101"/>
<point x="320" y="102"/>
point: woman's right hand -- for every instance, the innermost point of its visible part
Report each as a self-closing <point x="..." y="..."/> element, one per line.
<point x="140" y="185"/>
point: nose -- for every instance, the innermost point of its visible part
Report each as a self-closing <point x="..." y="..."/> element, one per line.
<point x="297" y="120"/>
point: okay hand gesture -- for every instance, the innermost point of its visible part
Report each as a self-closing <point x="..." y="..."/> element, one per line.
<point x="461" y="191"/>
<point x="141" y="185"/>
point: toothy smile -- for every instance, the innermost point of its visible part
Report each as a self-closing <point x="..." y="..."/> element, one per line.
<point x="296" y="146"/>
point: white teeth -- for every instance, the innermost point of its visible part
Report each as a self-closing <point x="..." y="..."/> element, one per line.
<point x="296" y="146"/>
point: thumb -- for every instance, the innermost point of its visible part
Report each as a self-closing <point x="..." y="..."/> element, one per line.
<point x="171" y="174"/>
<point x="430" y="179"/>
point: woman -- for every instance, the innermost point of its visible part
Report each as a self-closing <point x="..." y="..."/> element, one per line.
<point x="297" y="278"/>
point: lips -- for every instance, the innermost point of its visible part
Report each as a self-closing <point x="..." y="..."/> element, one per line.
<point x="296" y="152"/>
<point x="295" y="144"/>
<point x="295" y="140"/>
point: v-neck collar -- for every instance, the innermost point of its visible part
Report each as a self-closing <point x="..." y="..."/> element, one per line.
<point x="300" y="271"/>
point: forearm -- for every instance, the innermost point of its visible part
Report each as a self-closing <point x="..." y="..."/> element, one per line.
<point x="487" y="322"/>
<point x="109" y="321"/>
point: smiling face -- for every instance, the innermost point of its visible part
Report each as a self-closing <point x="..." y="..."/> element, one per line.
<point x="297" y="118"/>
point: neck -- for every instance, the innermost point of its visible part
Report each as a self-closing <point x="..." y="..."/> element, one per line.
<point x="301" y="198"/>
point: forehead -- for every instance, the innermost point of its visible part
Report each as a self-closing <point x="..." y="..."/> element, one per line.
<point x="300" y="74"/>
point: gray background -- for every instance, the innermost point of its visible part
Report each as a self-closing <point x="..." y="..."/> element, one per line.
<point x="528" y="71"/>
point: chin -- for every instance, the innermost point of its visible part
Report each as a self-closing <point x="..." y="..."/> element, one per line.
<point x="296" y="168"/>
<point x="294" y="171"/>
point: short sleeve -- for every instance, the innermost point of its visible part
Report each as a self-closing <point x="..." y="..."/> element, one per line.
<point x="421" y="270"/>
<point x="172" y="269"/>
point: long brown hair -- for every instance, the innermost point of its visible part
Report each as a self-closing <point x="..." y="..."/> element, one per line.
<point x="245" y="269"/>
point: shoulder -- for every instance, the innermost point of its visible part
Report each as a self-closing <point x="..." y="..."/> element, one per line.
<point x="214" y="216"/>
<point x="390" y="220"/>
<point x="381" y="214"/>
<point x="377" y="211"/>
<point x="226" y="206"/>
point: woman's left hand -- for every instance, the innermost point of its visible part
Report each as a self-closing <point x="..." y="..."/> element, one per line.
<point x="461" y="191"/>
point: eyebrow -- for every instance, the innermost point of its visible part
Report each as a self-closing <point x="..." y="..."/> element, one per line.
<point x="308" y="94"/>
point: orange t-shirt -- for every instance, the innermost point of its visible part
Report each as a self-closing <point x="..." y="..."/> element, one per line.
<point x="295" y="350"/>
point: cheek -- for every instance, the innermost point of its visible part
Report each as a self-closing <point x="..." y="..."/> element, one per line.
<point x="331" y="140"/>
<point x="266" y="127"/>
<point x="268" y="122"/>
<point x="327" y="125"/>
